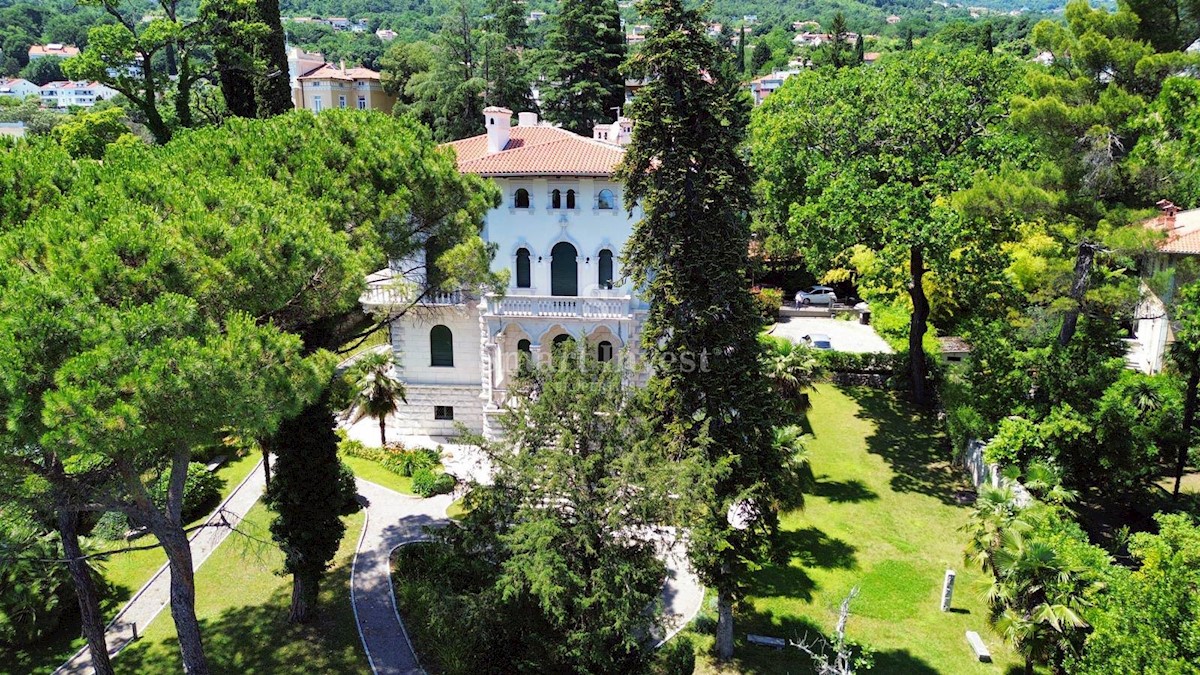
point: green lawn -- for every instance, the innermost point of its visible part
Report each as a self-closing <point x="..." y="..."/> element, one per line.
<point x="243" y="605"/>
<point x="376" y="473"/>
<point x="456" y="510"/>
<point x="883" y="517"/>
<point x="125" y="573"/>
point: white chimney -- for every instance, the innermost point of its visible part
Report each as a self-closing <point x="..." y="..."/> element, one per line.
<point x="498" y="122"/>
<point x="527" y="119"/>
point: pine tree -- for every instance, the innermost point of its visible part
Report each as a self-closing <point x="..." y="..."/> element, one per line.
<point x="585" y="48"/>
<point x="310" y="490"/>
<point x="712" y="405"/>
<point x="503" y="68"/>
<point x="837" y="35"/>
<point x="450" y="95"/>
<point x="570" y="516"/>
<point x="761" y="57"/>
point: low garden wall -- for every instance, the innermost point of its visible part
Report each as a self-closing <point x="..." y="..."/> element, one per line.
<point x="982" y="472"/>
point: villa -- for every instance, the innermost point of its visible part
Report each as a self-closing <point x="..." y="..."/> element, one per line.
<point x="558" y="232"/>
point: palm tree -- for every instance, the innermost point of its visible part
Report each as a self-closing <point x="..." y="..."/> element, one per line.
<point x="995" y="512"/>
<point x="1037" y="599"/>
<point x="790" y="440"/>
<point x="1045" y="480"/>
<point x="792" y="370"/>
<point x="376" y="391"/>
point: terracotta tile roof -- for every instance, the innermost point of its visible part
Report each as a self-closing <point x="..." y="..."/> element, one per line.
<point x="538" y="151"/>
<point x="53" y="49"/>
<point x="1183" y="232"/>
<point x="332" y="72"/>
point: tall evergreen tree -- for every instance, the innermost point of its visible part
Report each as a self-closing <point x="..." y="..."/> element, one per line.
<point x="450" y="95"/>
<point x="569" y="520"/>
<point x="741" y="52"/>
<point x="712" y="404"/>
<point x="582" y="80"/>
<point x="837" y="36"/>
<point x="503" y="66"/>
<point x="860" y="50"/>
<point x="760" y="57"/>
<point x="311" y="489"/>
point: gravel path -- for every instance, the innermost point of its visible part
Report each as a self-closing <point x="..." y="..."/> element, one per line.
<point x="156" y="594"/>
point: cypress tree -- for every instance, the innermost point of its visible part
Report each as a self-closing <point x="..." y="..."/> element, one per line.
<point x="860" y="51"/>
<point x="712" y="406"/>
<point x="762" y="56"/>
<point x="309" y="492"/>
<point x="583" y="81"/>
<point x="251" y="57"/>
<point x="741" y="52"/>
<point x="908" y="39"/>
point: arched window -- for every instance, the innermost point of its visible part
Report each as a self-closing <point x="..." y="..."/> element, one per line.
<point x="556" y="199"/>
<point x="521" y="199"/>
<point x="441" y="347"/>
<point x="604" y="351"/>
<point x="570" y="199"/>
<point x="564" y="276"/>
<point x="524" y="356"/>
<point x="605" y="200"/>
<point x="605" y="277"/>
<point x="525" y="346"/>
<point x="560" y="340"/>
<point x="523" y="268"/>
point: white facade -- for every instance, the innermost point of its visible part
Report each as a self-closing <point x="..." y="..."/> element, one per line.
<point x="570" y="246"/>
<point x="18" y="88"/>
<point x="66" y="93"/>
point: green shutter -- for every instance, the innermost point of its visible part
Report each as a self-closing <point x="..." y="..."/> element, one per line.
<point x="523" y="268"/>
<point x="606" y="269"/>
<point x="441" y="346"/>
<point x="564" y="278"/>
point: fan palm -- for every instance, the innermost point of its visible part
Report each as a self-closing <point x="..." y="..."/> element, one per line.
<point x="1037" y="599"/>
<point x="376" y="392"/>
<point x="995" y="512"/>
<point x="792" y="370"/>
<point x="789" y="441"/>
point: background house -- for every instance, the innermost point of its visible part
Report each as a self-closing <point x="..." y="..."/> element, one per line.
<point x="329" y="86"/>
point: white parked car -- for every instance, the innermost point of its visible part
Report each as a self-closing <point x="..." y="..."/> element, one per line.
<point x="817" y="295"/>
<point x="818" y="341"/>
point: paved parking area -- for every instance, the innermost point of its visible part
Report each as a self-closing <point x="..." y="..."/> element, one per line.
<point x="846" y="336"/>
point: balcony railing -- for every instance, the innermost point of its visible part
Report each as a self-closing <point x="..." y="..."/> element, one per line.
<point x="388" y="296"/>
<point x="569" y="307"/>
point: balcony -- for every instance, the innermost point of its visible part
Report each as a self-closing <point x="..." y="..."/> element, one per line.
<point x="389" y="296"/>
<point x="560" y="306"/>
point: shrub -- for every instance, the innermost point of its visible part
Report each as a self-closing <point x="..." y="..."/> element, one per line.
<point x="677" y="657"/>
<point x="427" y="484"/>
<point x="112" y="526"/>
<point x="768" y="301"/>
<point x="1016" y="440"/>
<point x="964" y="424"/>
<point x="408" y="462"/>
<point x="32" y="585"/>
<point x="201" y="488"/>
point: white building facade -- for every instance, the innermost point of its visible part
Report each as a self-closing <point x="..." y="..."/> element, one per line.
<point x="559" y="232"/>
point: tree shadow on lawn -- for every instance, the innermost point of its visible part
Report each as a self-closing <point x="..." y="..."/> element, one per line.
<point x="258" y="639"/>
<point x="844" y="491"/>
<point x="811" y="548"/>
<point x="910" y="441"/>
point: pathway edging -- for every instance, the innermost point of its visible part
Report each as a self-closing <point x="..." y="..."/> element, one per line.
<point x="118" y="634"/>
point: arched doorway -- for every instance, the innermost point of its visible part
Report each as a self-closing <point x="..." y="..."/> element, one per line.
<point x="564" y="275"/>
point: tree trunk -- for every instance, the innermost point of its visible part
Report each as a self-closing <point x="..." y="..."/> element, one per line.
<point x="274" y="88"/>
<point x="383" y="430"/>
<point x="918" y="325"/>
<point x="183" y="93"/>
<point x="304" y="595"/>
<point x="1029" y="665"/>
<point x="183" y="601"/>
<point x="1083" y="273"/>
<point x="266" y="453"/>
<point x="1189" y="418"/>
<point x="724" y="625"/>
<point x="85" y="591"/>
<point x="169" y="532"/>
